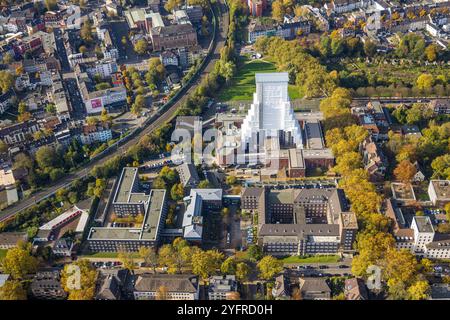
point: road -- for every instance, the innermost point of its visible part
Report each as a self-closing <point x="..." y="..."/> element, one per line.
<point x="165" y="117"/>
<point x="315" y="270"/>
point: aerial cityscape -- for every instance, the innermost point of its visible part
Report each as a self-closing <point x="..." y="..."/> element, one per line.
<point x="247" y="150"/>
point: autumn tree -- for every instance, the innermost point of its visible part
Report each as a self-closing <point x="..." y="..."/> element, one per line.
<point x="177" y="192"/>
<point x="6" y="80"/>
<point x="269" y="266"/>
<point x="243" y="271"/>
<point x="138" y="105"/>
<point x="141" y="46"/>
<point x="425" y="81"/>
<point x="86" y="32"/>
<point x="228" y="266"/>
<point x="431" y="52"/>
<point x="19" y="262"/>
<point x="12" y="290"/>
<point x="79" y="280"/>
<point x="405" y="171"/>
<point x="206" y="263"/>
<point x="150" y="257"/>
<point x="127" y="259"/>
<point x="172" y="4"/>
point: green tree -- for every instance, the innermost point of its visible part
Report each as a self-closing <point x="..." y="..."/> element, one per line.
<point x="177" y="192"/>
<point x="204" y="184"/>
<point x="138" y="105"/>
<point x="370" y="48"/>
<point x="47" y="157"/>
<point x="3" y="146"/>
<point x="254" y="253"/>
<point x="141" y="46"/>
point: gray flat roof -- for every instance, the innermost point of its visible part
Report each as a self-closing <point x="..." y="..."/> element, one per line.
<point x="125" y="184"/>
<point x="442" y="189"/>
<point x="148" y="230"/>
<point x="314" y="135"/>
<point x="424" y="223"/>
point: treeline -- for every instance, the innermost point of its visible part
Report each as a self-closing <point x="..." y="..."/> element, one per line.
<point x="431" y="150"/>
<point x="401" y="273"/>
<point x="304" y="70"/>
<point x="224" y="68"/>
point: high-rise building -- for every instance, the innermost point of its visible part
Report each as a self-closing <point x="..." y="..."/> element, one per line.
<point x="271" y="114"/>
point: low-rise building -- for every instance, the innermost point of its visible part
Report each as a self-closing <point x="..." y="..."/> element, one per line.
<point x="170" y="286"/>
<point x="47" y="285"/>
<point x="9" y="240"/>
<point x="440" y="106"/>
<point x="198" y="203"/>
<point x="314" y="289"/>
<point x="8" y="189"/>
<point x="173" y="37"/>
<point x="188" y="175"/>
<point x="111" y="284"/>
<point x="439" y="192"/>
<point x="355" y="289"/>
<point x="220" y="287"/>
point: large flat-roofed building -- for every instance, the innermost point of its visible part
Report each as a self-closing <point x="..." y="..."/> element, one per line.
<point x="127" y="199"/>
<point x="439" y="192"/>
<point x="147" y="234"/>
<point x="305" y="221"/>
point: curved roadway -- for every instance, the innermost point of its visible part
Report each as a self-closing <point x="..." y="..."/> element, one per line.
<point x="221" y="36"/>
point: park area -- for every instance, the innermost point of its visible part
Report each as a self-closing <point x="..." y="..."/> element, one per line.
<point x="3" y="253"/>
<point x="243" y="85"/>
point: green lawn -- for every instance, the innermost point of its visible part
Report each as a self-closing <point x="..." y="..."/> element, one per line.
<point x="3" y="253"/>
<point x="110" y="255"/>
<point x="315" y="259"/>
<point x="243" y="83"/>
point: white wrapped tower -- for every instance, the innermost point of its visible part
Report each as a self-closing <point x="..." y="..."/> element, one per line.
<point x="271" y="114"/>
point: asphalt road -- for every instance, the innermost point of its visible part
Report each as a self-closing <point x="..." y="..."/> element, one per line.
<point x="165" y="117"/>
